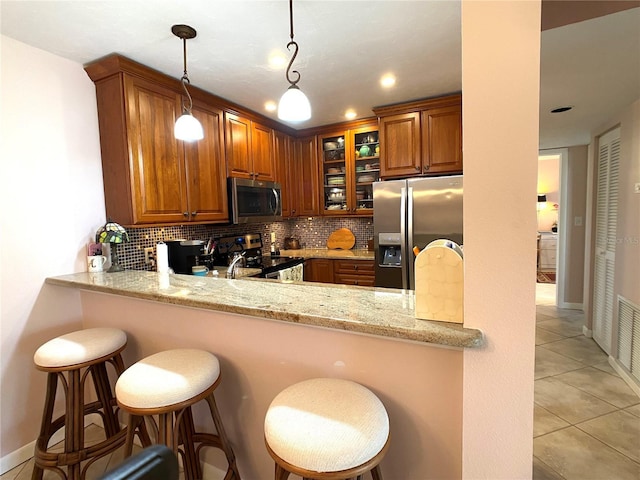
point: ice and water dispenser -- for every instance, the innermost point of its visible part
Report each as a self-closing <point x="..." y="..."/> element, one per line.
<point x="389" y="249"/>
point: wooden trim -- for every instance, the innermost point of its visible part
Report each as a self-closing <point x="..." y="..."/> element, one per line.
<point x="417" y="105"/>
<point x="371" y="122"/>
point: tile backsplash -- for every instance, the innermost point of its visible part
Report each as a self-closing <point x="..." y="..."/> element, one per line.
<point x="311" y="231"/>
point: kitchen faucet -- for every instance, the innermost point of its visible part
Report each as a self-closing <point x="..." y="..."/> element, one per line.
<point x="237" y="257"/>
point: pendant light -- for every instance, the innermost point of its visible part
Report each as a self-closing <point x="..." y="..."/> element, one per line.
<point x="187" y="127"/>
<point x="294" y="105"/>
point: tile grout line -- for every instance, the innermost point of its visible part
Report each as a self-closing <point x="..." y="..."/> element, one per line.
<point x="605" y="443"/>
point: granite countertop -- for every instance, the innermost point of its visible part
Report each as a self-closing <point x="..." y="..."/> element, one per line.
<point x="376" y="311"/>
<point x="356" y="254"/>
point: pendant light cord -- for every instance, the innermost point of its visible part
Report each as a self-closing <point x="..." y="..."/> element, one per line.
<point x="185" y="79"/>
<point x="295" y="52"/>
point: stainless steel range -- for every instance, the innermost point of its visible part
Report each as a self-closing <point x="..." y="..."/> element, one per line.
<point x="249" y="247"/>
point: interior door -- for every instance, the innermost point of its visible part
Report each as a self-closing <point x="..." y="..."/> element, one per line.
<point x="605" y="241"/>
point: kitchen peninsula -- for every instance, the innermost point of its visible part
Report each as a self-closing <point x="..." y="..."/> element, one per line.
<point x="269" y="335"/>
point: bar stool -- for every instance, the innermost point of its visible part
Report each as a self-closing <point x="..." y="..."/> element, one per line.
<point x="326" y="428"/>
<point x="167" y="384"/>
<point x="71" y="358"/>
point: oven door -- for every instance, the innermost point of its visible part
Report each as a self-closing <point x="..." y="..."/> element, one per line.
<point x="254" y="201"/>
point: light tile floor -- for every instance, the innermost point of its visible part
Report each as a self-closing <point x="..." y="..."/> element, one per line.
<point x="586" y="418"/>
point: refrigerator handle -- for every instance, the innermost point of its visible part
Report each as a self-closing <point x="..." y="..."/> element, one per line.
<point x="410" y="260"/>
<point x="403" y="236"/>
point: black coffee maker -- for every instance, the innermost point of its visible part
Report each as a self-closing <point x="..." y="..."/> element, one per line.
<point x="184" y="254"/>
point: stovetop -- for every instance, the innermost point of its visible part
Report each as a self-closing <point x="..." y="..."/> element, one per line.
<point x="251" y="245"/>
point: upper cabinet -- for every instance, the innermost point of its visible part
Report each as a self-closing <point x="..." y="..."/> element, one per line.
<point x="304" y="177"/>
<point x="249" y="148"/>
<point x="421" y="138"/>
<point x="149" y="176"/>
<point x="349" y="165"/>
<point x="283" y="152"/>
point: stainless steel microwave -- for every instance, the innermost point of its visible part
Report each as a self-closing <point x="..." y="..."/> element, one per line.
<point x="254" y="201"/>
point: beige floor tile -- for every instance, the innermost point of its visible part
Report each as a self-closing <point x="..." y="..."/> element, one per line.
<point x="620" y="430"/>
<point x="14" y="472"/>
<point x="546" y="422"/>
<point x="542" y="471"/>
<point x="562" y="326"/>
<point x="567" y="402"/>
<point x="610" y="388"/>
<point x="545" y="336"/>
<point x="605" y="367"/>
<point x="578" y="456"/>
<point x="635" y="410"/>
<point x="550" y="363"/>
<point x="541" y="317"/>
<point x="581" y="349"/>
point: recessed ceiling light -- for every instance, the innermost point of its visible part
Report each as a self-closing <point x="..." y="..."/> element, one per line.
<point x="388" y="80"/>
<point x="277" y="60"/>
<point x="561" y="109"/>
<point x="350" y="114"/>
<point x="270" y="106"/>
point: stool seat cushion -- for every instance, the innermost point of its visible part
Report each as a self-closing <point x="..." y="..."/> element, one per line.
<point x="326" y="425"/>
<point x="167" y="378"/>
<point x="79" y="347"/>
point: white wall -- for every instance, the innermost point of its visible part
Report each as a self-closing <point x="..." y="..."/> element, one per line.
<point x="52" y="202"/>
<point x="500" y="83"/>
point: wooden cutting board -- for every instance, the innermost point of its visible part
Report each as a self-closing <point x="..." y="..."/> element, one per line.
<point x="343" y="238"/>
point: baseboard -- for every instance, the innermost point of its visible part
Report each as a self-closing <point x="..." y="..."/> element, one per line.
<point x="571" y="306"/>
<point x="23" y="454"/>
<point x="587" y="332"/>
<point x="632" y="382"/>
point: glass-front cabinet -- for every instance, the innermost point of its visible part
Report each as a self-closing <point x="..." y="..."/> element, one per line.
<point x="350" y="164"/>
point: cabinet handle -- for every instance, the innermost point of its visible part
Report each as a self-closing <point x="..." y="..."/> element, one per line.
<point x="356" y="282"/>
<point x="426" y="167"/>
<point x="193" y="214"/>
<point x="186" y="214"/>
<point x="417" y="168"/>
<point x="293" y="212"/>
<point x="355" y="267"/>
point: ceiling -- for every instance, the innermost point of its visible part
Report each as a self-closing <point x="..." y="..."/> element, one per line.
<point x="345" y="47"/>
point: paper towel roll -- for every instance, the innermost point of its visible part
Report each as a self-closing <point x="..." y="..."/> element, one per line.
<point x="162" y="257"/>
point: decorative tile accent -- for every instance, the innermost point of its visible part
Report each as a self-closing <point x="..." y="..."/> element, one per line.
<point x="311" y="231"/>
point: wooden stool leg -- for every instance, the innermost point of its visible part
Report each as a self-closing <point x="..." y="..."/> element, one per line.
<point x="186" y="429"/>
<point x="45" y="425"/>
<point x="226" y="446"/>
<point x="105" y="396"/>
<point x="376" y="474"/>
<point x="280" y="473"/>
<point x="74" y="422"/>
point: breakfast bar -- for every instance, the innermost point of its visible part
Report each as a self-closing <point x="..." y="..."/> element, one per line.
<point x="269" y="335"/>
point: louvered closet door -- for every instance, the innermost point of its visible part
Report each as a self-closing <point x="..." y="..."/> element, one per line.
<point x="605" y="245"/>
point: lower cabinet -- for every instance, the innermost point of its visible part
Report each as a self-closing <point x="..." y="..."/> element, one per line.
<point x="346" y="272"/>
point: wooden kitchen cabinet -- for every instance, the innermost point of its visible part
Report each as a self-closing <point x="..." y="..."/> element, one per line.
<point x="400" y="145"/>
<point x="283" y="151"/>
<point x="150" y="177"/>
<point x="349" y="165"/>
<point x="354" y="272"/>
<point x="421" y="138"/>
<point x="318" y="270"/>
<point x="304" y="178"/>
<point x="249" y="148"/>
<point x="442" y="140"/>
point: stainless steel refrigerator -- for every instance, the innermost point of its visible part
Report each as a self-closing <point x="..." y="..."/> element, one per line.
<point x="412" y="213"/>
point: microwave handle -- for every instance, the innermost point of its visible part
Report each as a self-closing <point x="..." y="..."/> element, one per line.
<point x="277" y="198"/>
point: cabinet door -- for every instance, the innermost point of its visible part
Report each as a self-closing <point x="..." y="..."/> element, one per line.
<point x="263" y="167"/>
<point x="365" y="169"/>
<point x="157" y="158"/>
<point x="335" y="178"/>
<point x="442" y="140"/>
<point x="238" y="146"/>
<point x="400" y="145"/>
<point x="319" y="270"/>
<point x="305" y="181"/>
<point x="205" y="168"/>
<point x="282" y="152"/>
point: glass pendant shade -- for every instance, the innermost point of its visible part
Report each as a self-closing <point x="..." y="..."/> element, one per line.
<point x="294" y="106"/>
<point x="188" y="128"/>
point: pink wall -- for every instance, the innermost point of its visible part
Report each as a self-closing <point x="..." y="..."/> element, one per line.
<point x="420" y="385"/>
<point x="500" y="84"/>
<point x="52" y="201"/>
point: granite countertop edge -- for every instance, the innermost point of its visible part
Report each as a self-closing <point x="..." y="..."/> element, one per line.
<point x="373" y="311"/>
<point x="354" y="254"/>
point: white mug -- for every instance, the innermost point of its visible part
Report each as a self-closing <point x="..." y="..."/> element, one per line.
<point x="96" y="262"/>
